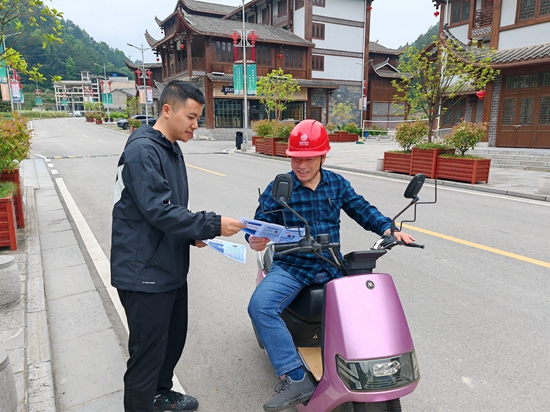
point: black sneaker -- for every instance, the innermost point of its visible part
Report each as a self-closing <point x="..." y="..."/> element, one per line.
<point x="290" y="393"/>
<point x="175" y="401"/>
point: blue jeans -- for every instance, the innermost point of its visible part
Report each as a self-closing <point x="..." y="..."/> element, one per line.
<point x="271" y="297"/>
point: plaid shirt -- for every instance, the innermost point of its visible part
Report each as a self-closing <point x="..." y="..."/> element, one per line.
<point x="321" y="208"/>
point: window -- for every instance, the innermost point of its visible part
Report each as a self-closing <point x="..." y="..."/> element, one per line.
<point x="454" y="111"/>
<point x="318" y="31"/>
<point x="265" y="16"/>
<point x="228" y="112"/>
<point x="319" y="3"/>
<point x="460" y="11"/>
<point x="293" y="58"/>
<point x="298" y="4"/>
<point x="318" y="63"/>
<point x="224" y="51"/>
<point x="521" y="81"/>
<point x="263" y="56"/>
<point x="530" y="9"/>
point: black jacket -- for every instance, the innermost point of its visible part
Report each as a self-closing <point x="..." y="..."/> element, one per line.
<point x="152" y="227"/>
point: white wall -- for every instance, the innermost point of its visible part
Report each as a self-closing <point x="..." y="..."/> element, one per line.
<point x="299" y="22"/>
<point x="524" y="36"/>
<point x="461" y="33"/>
<point x="508" y="15"/>
<point x="343" y="38"/>
<point x="340" y="68"/>
<point x="342" y="9"/>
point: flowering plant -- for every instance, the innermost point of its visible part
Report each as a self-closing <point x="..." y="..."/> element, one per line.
<point x="465" y="136"/>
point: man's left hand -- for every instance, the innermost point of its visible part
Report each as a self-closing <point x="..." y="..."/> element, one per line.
<point x="401" y="236"/>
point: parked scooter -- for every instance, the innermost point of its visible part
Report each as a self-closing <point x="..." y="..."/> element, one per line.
<point x="351" y="333"/>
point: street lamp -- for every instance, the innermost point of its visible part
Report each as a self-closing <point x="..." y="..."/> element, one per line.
<point x="105" y="78"/>
<point x="144" y="77"/>
<point x="245" y="91"/>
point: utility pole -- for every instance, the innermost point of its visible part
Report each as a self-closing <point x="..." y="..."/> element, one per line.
<point x="144" y="77"/>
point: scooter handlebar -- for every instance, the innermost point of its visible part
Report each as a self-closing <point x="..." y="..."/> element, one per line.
<point x="411" y="245"/>
<point x="283" y="247"/>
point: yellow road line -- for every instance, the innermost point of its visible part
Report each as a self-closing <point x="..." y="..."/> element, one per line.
<point x="205" y="170"/>
<point x="479" y="246"/>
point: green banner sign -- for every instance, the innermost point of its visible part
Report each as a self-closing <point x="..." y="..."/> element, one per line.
<point x="251" y="79"/>
<point x="238" y="80"/>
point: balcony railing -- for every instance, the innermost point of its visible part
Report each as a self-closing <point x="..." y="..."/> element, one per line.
<point x="483" y="22"/>
<point x="198" y="65"/>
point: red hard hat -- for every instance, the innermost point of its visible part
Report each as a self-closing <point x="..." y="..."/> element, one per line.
<point x="309" y="138"/>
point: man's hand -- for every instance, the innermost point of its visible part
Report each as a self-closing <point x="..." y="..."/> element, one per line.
<point x="230" y="226"/>
<point x="258" y="243"/>
<point x="401" y="236"/>
<point x="200" y="244"/>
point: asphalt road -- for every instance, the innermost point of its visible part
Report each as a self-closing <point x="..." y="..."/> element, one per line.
<point x="476" y="304"/>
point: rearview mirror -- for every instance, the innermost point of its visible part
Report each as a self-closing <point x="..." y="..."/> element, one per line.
<point x="414" y="186"/>
<point x="282" y="187"/>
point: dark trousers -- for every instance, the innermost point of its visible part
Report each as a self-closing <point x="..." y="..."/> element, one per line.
<point x="158" y="327"/>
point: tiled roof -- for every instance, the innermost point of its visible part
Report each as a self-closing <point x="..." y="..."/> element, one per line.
<point x="319" y="84"/>
<point x="131" y="65"/>
<point x="221" y="27"/>
<point x="508" y="57"/>
<point x="378" y="48"/>
<point x="213" y="8"/>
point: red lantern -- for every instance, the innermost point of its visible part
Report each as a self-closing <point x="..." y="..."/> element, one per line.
<point x="369" y="8"/>
<point x="182" y="46"/>
<point x="436" y="14"/>
<point x="280" y="55"/>
<point x="481" y="94"/>
<point x="138" y="76"/>
<point x="149" y="75"/>
<point x="158" y="59"/>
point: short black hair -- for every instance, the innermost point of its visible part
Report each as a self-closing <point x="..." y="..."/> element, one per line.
<point x="177" y="92"/>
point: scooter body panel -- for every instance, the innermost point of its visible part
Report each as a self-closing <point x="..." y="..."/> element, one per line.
<point x="364" y="319"/>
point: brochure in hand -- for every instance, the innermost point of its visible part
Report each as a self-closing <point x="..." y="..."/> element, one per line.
<point x="275" y="233"/>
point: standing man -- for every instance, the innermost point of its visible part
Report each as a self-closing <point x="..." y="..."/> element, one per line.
<point x="319" y="196"/>
<point x="151" y="237"/>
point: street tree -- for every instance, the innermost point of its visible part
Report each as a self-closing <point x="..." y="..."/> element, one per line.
<point x="276" y="90"/>
<point x="19" y="35"/>
<point x="433" y="77"/>
<point x="341" y="113"/>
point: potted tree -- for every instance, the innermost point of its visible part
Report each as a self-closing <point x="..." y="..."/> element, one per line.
<point x="407" y="135"/>
<point x="460" y="166"/>
<point x="282" y="131"/>
<point x="15" y="144"/>
<point x="133" y="124"/>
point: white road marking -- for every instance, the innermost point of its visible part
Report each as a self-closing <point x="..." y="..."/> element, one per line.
<point x="54" y="172"/>
<point x="100" y="260"/>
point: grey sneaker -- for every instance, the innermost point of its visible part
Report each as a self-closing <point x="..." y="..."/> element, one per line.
<point x="290" y="393"/>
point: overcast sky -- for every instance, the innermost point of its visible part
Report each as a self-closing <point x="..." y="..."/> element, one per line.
<point x="118" y="22"/>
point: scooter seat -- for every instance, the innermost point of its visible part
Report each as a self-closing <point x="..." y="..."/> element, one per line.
<point x="308" y="305"/>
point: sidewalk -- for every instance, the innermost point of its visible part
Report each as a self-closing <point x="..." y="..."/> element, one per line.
<point x="61" y="345"/>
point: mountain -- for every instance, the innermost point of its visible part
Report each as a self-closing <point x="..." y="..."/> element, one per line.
<point x="425" y="39"/>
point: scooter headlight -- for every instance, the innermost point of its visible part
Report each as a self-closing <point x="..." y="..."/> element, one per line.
<point x="378" y="374"/>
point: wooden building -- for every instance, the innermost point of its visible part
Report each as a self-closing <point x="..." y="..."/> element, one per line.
<point x="517" y="103"/>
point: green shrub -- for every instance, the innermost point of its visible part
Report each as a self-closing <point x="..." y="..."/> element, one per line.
<point x="7" y="188"/>
<point x="410" y="133"/>
<point x="135" y="123"/>
<point x="330" y="127"/>
<point x="263" y="127"/>
<point x="352" y="128"/>
<point x="15" y="141"/>
<point x="283" y="129"/>
<point x="465" y="136"/>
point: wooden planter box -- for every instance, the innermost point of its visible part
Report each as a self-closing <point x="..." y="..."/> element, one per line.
<point x="280" y="149"/>
<point x="397" y="162"/>
<point x="425" y="161"/>
<point x="8" y="229"/>
<point x="463" y="170"/>
<point x="260" y="145"/>
<point x="269" y="148"/>
<point x="17" y="199"/>
<point x="343" y="136"/>
<point x="98" y="121"/>
<point x="255" y="139"/>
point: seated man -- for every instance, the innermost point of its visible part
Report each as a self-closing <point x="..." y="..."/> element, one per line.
<point x="318" y="196"/>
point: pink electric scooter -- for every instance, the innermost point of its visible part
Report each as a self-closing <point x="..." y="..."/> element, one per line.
<point x="352" y="332"/>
